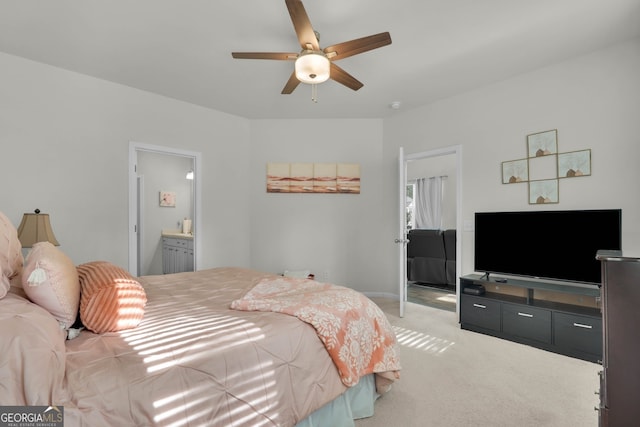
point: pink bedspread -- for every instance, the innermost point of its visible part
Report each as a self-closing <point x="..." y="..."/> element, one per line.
<point x="195" y="362"/>
<point x="192" y="361"/>
<point x="354" y="330"/>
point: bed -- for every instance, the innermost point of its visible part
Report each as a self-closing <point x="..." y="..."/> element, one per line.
<point x="187" y="357"/>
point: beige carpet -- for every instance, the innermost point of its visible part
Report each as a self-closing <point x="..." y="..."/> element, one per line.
<point x="453" y="377"/>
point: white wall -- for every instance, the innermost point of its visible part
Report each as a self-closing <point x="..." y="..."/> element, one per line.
<point x="64" y="149"/>
<point x="335" y="233"/>
<point x="593" y="101"/>
<point x="64" y="141"/>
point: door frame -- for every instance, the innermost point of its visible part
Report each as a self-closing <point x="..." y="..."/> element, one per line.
<point x="405" y="159"/>
<point x="134" y="148"/>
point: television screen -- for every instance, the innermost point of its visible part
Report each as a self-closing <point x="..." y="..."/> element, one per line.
<point x="559" y="245"/>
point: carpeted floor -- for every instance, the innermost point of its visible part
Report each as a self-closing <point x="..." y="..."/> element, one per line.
<point x="456" y="378"/>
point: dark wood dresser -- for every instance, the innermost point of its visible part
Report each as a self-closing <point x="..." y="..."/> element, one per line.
<point x="620" y="377"/>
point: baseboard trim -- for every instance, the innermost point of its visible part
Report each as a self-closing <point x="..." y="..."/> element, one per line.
<point x="382" y="295"/>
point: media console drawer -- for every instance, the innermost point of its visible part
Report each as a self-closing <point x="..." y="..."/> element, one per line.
<point x="481" y="312"/>
<point x="527" y="322"/>
<point x="568" y="329"/>
<point x="578" y="333"/>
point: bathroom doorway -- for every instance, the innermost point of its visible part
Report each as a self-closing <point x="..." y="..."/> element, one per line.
<point x="155" y="171"/>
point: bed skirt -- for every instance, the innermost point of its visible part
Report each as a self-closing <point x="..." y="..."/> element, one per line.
<point x="355" y="403"/>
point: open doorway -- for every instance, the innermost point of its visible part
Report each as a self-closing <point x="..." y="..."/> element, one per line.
<point x="431" y="270"/>
<point x="154" y="171"/>
<point x="431" y="224"/>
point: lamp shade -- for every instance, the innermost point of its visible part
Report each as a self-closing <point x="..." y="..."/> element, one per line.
<point x="35" y="228"/>
<point x="312" y="67"/>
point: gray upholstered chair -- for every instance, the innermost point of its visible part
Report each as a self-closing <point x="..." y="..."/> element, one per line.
<point x="426" y="258"/>
<point x="450" y="252"/>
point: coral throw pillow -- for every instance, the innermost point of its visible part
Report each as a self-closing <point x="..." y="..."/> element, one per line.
<point x="110" y="298"/>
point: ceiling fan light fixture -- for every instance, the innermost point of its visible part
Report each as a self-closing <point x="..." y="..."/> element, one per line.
<point x="312" y="67"/>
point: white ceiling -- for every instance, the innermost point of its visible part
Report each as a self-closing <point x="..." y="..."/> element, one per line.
<point x="182" y="48"/>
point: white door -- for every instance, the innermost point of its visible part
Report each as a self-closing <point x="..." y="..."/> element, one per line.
<point x="139" y="229"/>
<point x="401" y="240"/>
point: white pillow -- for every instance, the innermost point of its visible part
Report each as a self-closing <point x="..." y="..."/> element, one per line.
<point x="300" y="274"/>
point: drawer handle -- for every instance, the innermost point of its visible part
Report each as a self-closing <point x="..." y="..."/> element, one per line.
<point x="480" y="306"/>
<point x="580" y="325"/>
<point x="525" y="314"/>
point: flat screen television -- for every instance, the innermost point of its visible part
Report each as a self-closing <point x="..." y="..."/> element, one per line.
<point x="558" y="245"/>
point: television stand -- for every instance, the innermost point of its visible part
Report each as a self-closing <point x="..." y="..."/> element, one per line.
<point x="563" y="328"/>
<point x="486" y="277"/>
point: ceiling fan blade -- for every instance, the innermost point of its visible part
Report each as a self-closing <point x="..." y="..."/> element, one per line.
<point x="302" y="25"/>
<point x="280" y="56"/>
<point x="341" y="76"/>
<point x="354" y="47"/>
<point x="291" y="84"/>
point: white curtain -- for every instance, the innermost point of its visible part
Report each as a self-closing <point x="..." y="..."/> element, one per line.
<point x="428" y="202"/>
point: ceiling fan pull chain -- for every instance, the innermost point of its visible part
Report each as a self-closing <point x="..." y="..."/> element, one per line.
<point x="314" y="93"/>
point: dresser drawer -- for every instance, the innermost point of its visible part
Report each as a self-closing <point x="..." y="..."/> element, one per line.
<point x="527" y="322"/>
<point x="578" y="333"/>
<point x="481" y="312"/>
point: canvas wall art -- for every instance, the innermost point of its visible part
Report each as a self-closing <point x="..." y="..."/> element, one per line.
<point x="313" y="178"/>
<point x="545" y="166"/>
<point x="168" y="199"/>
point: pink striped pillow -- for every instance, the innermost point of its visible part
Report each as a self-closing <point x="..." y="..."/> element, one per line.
<point x="110" y="298"/>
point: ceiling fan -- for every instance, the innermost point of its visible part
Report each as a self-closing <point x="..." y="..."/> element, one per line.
<point x="314" y="65"/>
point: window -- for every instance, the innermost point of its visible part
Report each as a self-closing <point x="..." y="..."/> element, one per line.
<point x="410" y="208"/>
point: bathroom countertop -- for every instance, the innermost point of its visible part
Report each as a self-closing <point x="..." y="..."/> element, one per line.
<point x="176" y="234"/>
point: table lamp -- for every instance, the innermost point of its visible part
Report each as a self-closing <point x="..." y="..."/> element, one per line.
<point x="36" y="227"/>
